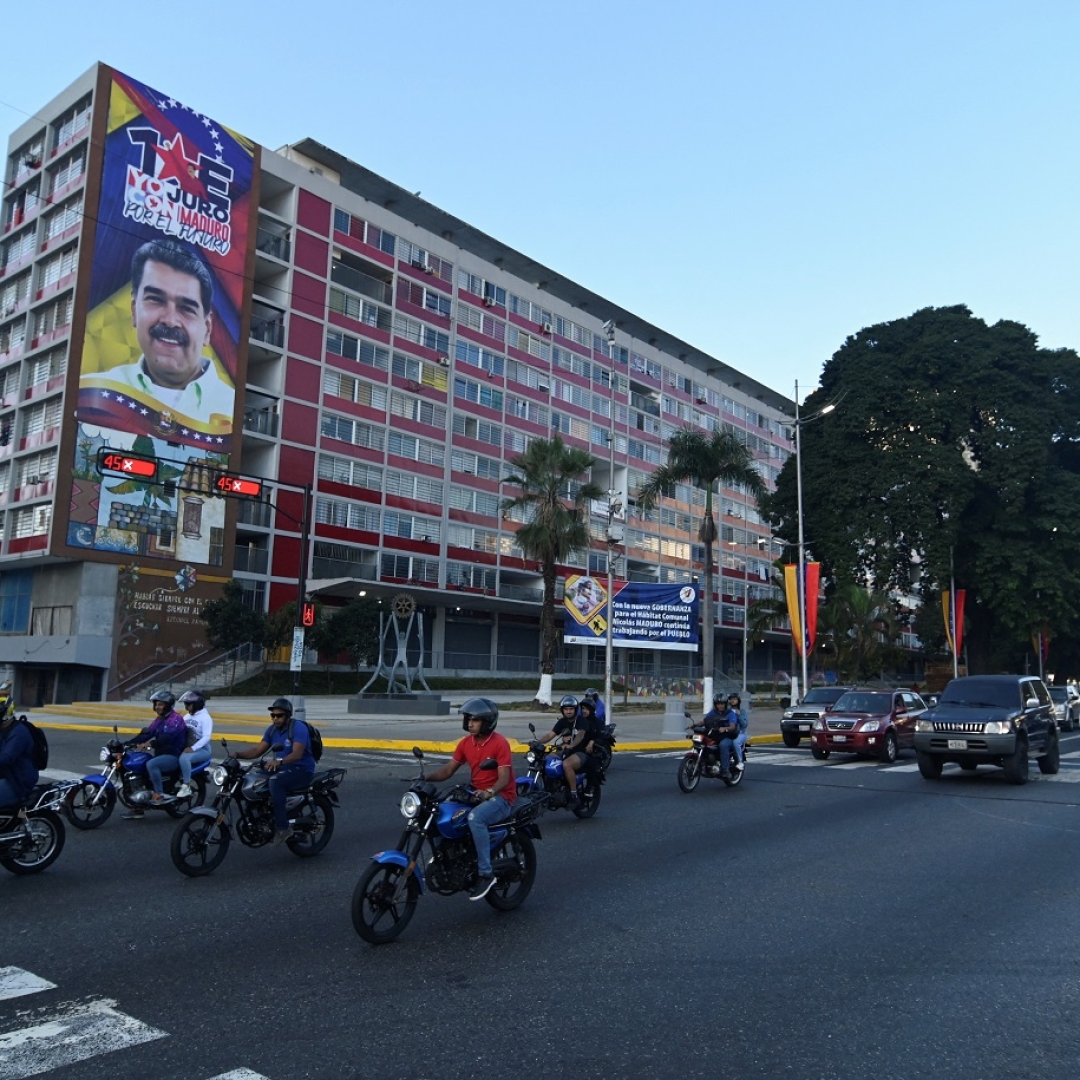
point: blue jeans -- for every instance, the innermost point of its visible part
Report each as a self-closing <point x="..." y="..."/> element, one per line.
<point x="189" y="761"/>
<point x="480" y="817"/>
<point x="740" y="742"/>
<point x="726" y="746"/>
<point x="159" y="764"/>
<point x="283" y="782"/>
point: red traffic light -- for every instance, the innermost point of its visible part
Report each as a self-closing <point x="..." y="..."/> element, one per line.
<point x="237" y="485"/>
<point x="308" y="614"/>
<point x="121" y="464"/>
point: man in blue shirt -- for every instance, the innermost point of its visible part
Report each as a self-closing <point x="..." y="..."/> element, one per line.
<point x="293" y="767"/>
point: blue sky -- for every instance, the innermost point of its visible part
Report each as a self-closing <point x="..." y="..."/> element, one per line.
<point x="761" y="179"/>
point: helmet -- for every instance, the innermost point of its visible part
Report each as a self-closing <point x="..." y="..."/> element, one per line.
<point x="735" y="698"/>
<point x="482" y="709"/>
<point x="568" y="702"/>
<point x="719" y="699"/>
<point x="281" y="704"/>
<point x="193" y="700"/>
<point x="163" y="695"/>
<point x="588" y="703"/>
<point x="592" y="694"/>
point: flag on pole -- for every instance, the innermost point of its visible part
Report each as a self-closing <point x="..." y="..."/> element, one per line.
<point x="954" y="634"/>
<point x="791" y="590"/>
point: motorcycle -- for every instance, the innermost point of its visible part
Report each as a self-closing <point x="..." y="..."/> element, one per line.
<point x="386" y="895"/>
<point x="31" y="834"/>
<point x="201" y="841"/>
<point x="89" y="802"/>
<point x="545" y="774"/>
<point x="703" y="759"/>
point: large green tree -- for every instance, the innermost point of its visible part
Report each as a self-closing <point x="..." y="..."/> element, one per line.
<point x="704" y="460"/>
<point x="954" y="441"/>
<point x="231" y="622"/>
<point x="555" y="493"/>
<point x="859" y="626"/>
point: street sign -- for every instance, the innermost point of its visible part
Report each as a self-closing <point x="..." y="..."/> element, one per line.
<point x="296" y="659"/>
<point x="228" y="484"/>
<point x="119" y="463"/>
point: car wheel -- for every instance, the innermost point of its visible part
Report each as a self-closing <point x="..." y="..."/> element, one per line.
<point x="1016" y="764"/>
<point x="818" y="753"/>
<point x="791" y="739"/>
<point x="929" y="766"/>
<point x="889" y="749"/>
<point x="1050" y="762"/>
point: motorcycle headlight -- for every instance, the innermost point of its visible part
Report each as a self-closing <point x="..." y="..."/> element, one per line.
<point x="219" y="775"/>
<point x="410" y="804"/>
<point x="104" y="755"/>
<point x="530" y="758"/>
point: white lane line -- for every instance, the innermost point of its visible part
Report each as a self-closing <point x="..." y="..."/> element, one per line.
<point x="239" y="1074"/>
<point x="60" y="774"/>
<point x="14" y="982"/>
<point x="81" y="1032"/>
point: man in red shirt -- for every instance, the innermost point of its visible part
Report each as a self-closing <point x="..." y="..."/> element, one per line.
<point x="495" y="787"/>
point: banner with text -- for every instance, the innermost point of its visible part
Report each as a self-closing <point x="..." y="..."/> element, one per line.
<point x="646" y="616"/>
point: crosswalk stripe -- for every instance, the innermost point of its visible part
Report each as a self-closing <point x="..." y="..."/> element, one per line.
<point x="59" y="774"/>
<point x="14" y="982"/>
<point x="82" y="1032"/>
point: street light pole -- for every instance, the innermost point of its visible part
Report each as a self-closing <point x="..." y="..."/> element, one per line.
<point x="802" y="544"/>
<point x="612" y="509"/>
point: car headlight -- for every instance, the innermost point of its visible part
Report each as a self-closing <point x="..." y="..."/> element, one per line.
<point x="787" y="715"/>
<point x="410" y="804"/>
<point x="871" y="725"/>
<point x="104" y="755"/>
<point x="924" y="725"/>
<point x="219" y="775"/>
<point x="530" y="758"/>
<point x="819" y="724"/>
<point x="998" y="727"/>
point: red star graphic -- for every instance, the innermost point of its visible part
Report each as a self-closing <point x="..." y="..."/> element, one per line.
<point x="175" y="163"/>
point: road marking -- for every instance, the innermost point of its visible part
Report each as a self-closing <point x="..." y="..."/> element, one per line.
<point x="239" y="1074"/>
<point x="81" y="1032"/>
<point x="60" y="774"/>
<point x="14" y="982"/>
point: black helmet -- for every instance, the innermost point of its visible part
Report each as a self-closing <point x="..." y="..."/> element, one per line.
<point x="736" y="699"/>
<point x="719" y="699"/>
<point x="281" y="704"/>
<point x="163" y="695"/>
<point x="568" y="702"/>
<point x="194" y="700"/>
<point x="588" y="703"/>
<point x="482" y="709"/>
<point x="592" y="694"/>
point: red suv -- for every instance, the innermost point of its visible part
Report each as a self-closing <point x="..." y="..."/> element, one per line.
<point x="876" y="722"/>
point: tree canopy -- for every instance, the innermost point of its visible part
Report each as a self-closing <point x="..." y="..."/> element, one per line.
<point x="952" y="440"/>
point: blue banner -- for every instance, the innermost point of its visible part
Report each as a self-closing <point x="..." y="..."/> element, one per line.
<point x="646" y="616"/>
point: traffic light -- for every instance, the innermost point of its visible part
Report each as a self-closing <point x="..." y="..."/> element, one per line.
<point x="307" y="616"/>
<point x="228" y="484"/>
<point x="123" y="463"/>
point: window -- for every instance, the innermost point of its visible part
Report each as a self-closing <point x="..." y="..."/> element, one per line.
<point x="481" y="430"/>
<point x="415" y="408"/>
<point x="482" y="322"/>
<point x="32" y="521"/>
<point x="352" y="348"/>
<point x="63" y="217"/>
<point x="478" y="393"/>
<point x="347" y="515"/>
<point x="19" y="247"/>
<point x="42" y="417"/>
<point x="54" y="316"/>
<point x="423" y="488"/>
<point x="338" y="384"/>
<point x="74" y="122"/>
<point x="364" y="231"/>
<point x="408" y="446"/>
<point x="465" y="461"/>
<point x="58" y="266"/>
<point x="346" y="471"/>
<point x="529" y="343"/>
<point x="16" y="587"/>
<point x="477" y="502"/>
<point x="424" y="571"/>
<point x="51" y="621"/>
<point x="409" y="367"/>
<point x="70" y="170"/>
<point x="352" y="431"/>
<point x="476" y="356"/>
<point x="421" y="334"/>
<point x="36" y="469"/>
<point x="359" y="309"/>
<point x="14" y="293"/>
<point x="527" y="410"/>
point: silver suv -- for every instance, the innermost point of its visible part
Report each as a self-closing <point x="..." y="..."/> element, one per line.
<point x="798" y="721"/>
<point x="989" y="720"/>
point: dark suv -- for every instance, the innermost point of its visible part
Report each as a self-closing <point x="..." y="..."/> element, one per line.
<point x="989" y="720"/>
<point x="798" y="721"/>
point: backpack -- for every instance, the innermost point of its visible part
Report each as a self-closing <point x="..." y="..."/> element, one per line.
<point x="314" y="739"/>
<point x="41" y="744"/>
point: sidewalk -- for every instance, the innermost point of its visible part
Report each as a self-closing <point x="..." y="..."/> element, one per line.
<point x="243" y="719"/>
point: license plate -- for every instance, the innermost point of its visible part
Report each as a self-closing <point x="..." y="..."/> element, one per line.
<point x="839" y="738"/>
<point x="698" y="738"/>
<point x="958" y="744"/>
<point x="804" y="727"/>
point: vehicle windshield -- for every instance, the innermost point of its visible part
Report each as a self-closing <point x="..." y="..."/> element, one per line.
<point x="863" y="702"/>
<point x="1059" y="693"/>
<point x="822" y="695"/>
<point x="994" y="693"/>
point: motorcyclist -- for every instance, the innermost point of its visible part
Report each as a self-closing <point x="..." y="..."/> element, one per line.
<point x="576" y="730"/>
<point x="18" y="773"/>
<point x="480" y="717"/>
<point x="721" y="726"/>
<point x="592" y="694"/>
<point x="293" y="768"/>
<point x="735" y="702"/>
<point x="166" y="735"/>
<point x="200" y="727"/>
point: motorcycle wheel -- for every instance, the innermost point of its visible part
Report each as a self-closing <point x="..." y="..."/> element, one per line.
<point x="735" y="777"/>
<point x="378" y="916"/>
<point x="199" y="845"/>
<point x="89" y="805"/>
<point x="48" y="833"/>
<point x="603" y="755"/>
<point x="588" y="800"/>
<point x="313" y="827"/>
<point x="517" y="854"/>
<point x="689" y="774"/>
<point x="179" y="807"/>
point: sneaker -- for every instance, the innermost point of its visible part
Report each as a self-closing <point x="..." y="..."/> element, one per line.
<point x="740" y="765"/>
<point x="132" y="815"/>
<point x="184" y="791"/>
<point x="482" y="887"/>
<point x="282" y="835"/>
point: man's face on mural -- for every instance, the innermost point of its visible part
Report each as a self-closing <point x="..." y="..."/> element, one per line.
<point x="170" y="324"/>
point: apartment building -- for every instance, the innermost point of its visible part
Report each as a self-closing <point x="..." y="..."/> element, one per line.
<point x="373" y="359"/>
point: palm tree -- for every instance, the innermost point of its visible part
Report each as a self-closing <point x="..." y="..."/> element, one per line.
<point x="861" y="625"/>
<point x="704" y="460"/>
<point x="556" y="501"/>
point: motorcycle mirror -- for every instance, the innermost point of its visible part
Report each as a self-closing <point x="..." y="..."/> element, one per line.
<point x="489" y="763"/>
<point x="532" y="727"/>
<point x="418" y="753"/>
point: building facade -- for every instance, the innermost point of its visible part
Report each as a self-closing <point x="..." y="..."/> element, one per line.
<point x="366" y="353"/>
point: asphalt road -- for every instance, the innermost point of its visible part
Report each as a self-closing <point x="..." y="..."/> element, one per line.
<point x="822" y="920"/>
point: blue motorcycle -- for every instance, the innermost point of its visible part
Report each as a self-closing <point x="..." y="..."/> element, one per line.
<point x="545" y="777"/>
<point x="386" y="895"/>
<point x="89" y="802"/>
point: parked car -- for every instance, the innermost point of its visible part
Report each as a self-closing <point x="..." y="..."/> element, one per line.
<point x="1066" y="706"/>
<point x="1000" y="720"/>
<point x="871" y="721"/>
<point x="797" y="722"/>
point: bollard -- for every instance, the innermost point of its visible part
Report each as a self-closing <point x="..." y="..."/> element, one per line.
<point x="674" y="720"/>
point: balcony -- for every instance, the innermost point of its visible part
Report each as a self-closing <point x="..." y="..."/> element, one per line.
<point x="273" y="244"/>
<point x="251" y="560"/>
<point x="255" y="513"/>
<point x="261" y="422"/>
